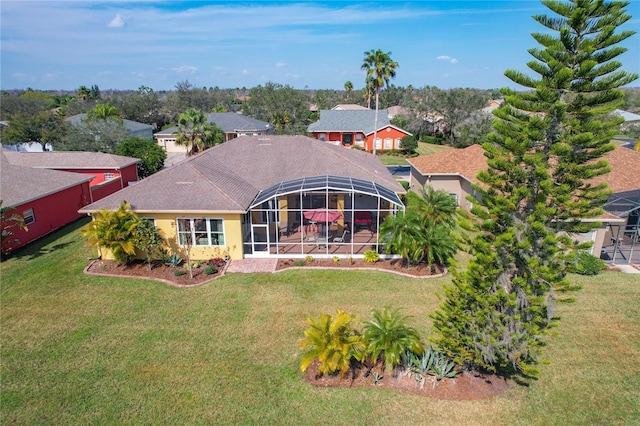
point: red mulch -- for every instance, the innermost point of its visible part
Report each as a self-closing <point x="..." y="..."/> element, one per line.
<point x="393" y="265"/>
<point x="139" y="269"/>
<point x="466" y="386"/>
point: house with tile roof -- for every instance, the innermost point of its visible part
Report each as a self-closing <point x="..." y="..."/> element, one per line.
<point x="231" y="124"/>
<point x="134" y="128"/>
<point x="267" y="196"/>
<point x="455" y="171"/>
<point x="350" y="128"/>
<point x="46" y="199"/>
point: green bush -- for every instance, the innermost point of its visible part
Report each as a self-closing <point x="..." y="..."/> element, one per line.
<point x="584" y="263"/>
<point x="371" y="256"/>
<point x="299" y="262"/>
<point x="173" y="260"/>
<point x="210" y="270"/>
<point x="179" y="272"/>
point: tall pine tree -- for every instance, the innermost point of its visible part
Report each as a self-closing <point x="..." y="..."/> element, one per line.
<point x="547" y="144"/>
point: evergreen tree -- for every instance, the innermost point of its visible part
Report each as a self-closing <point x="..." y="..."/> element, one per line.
<point x="547" y="144"/>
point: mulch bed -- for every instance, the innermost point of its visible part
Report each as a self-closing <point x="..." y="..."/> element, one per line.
<point x="465" y="386"/>
<point x="397" y="266"/>
<point x="139" y="269"/>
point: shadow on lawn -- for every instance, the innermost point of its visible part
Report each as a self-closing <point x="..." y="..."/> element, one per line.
<point x="42" y="246"/>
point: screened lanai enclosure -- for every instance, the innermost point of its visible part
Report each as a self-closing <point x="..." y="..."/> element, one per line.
<point x="321" y="216"/>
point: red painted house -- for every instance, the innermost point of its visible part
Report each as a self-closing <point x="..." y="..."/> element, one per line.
<point x="48" y="188"/>
<point x="357" y="128"/>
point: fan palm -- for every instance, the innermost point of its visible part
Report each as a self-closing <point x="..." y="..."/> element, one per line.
<point x="379" y="65"/>
<point x="196" y="133"/>
<point x="389" y="337"/>
<point x="104" y="112"/>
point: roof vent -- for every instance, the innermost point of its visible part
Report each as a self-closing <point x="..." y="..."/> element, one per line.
<point x="184" y="183"/>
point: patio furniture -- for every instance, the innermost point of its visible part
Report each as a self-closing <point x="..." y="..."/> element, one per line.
<point x="362" y="220"/>
<point x="341" y="239"/>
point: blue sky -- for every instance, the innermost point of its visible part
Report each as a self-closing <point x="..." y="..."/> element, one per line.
<point x="319" y="45"/>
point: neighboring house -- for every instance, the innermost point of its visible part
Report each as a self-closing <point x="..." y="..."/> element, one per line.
<point x="455" y="171"/>
<point x="135" y="129"/>
<point x="267" y="196"/>
<point x="107" y="173"/>
<point x="356" y="127"/>
<point x="396" y="110"/>
<point x="46" y="199"/>
<point x="349" y="107"/>
<point x="28" y="147"/>
<point x="629" y="117"/>
<point x="231" y="124"/>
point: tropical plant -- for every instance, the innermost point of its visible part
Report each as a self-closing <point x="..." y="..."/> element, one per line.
<point x="333" y="342"/>
<point x="348" y="87"/>
<point x="388" y="337"/>
<point x="105" y="112"/>
<point x="210" y="270"/>
<point x="148" y="240"/>
<point x="381" y="69"/>
<point x="174" y="260"/>
<point x="9" y="221"/>
<point x="114" y="230"/>
<point x="196" y="133"/>
<point x="371" y="256"/>
<point x="547" y="144"/>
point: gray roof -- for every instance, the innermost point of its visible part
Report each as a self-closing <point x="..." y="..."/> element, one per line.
<point x="228" y="177"/>
<point x="132" y="126"/>
<point x="23" y="184"/>
<point x="628" y="116"/>
<point x="228" y="122"/>
<point x="69" y="160"/>
<point x="349" y="121"/>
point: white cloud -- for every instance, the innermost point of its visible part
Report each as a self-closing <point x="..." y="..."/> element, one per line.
<point x="281" y="64"/>
<point x="117" y="22"/>
<point x="447" y="58"/>
<point x="19" y="75"/>
<point x="184" y="69"/>
<point x="245" y="72"/>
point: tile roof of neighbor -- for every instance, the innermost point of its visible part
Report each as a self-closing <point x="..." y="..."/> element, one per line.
<point x="228" y="122"/>
<point x="228" y="177"/>
<point x="468" y="162"/>
<point x="128" y="124"/>
<point x="22" y="184"/>
<point x="69" y="160"/>
<point x="349" y="121"/>
<point x="345" y="107"/>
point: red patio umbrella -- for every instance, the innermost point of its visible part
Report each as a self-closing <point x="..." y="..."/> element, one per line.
<point x="323" y="215"/>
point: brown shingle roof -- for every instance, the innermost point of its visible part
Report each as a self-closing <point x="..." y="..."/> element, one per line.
<point x="227" y="177"/>
<point x="23" y="184"/>
<point x="625" y="170"/>
<point x="69" y="160"/>
<point x="467" y="162"/>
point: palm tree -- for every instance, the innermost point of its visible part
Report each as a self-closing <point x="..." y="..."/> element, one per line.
<point x="83" y="93"/>
<point x="114" y="230"/>
<point x="379" y="66"/>
<point x="196" y="133"/>
<point x="369" y="90"/>
<point x="388" y="336"/>
<point x="348" y="86"/>
<point x="104" y="112"/>
<point x="436" y="206"/>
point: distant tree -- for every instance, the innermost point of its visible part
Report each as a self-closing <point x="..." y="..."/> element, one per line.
<point x="105" y="112"/>
<point x="280" y="105"/>
<point x="143" y="106"/>
<point x="8" y="222"/>
<point x="185" y="97"/>
<point x="456" y="105"/>
<point x="369" y="90"/>
<point x="378" y="65"/>
<point x="83" y="93"/>
<point x="348" y="87"/>
<point x="94" y="136"/>
<point x="548" y="142"/>
<point x="152" y="156"/>
<point x="45" y="128"/>
<point x="409" y="144"/>
<point x="94" y="93"/>
<point x="473" y="130"/>
<point x="12" y="105"/>
<point x="196" y="133"/>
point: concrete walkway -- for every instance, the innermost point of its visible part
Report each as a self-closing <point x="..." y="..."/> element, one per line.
<point x="250" y="266"/>
<point x="628" y="269"/>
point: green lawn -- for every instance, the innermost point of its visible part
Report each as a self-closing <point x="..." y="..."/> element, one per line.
<point x="423" y="149"/>
<point x="79" y="349"/>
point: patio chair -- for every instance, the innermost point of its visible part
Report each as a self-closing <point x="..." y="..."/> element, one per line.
<point x="341" y="239"/>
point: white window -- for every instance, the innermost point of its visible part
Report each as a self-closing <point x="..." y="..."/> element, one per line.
<point x="378" y="143"/>
<point x="388" y="143"/>
<point x="109" y="176"/>
<point x="322" y="137"/>
<point x="200" y="232"/>
<point x="359" y="139"/>
<point x="455" y="197"/>
<point x="28" y="216"/>
<point x="398" y="143"/>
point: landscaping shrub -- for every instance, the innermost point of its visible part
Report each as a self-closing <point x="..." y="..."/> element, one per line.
<point x="210" y="270"/>
<point x="179" y="272"/>
<point x="584" y="263"/>
<point x="371" y="256"/>
<point x="299" y="262"/>
<point x="218" y="262"/>
<point x="173" y="260"/>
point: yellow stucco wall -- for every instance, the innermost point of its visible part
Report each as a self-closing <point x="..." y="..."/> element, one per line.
<point x="232" y="226"/>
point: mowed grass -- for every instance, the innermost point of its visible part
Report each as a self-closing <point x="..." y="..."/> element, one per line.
<point x="78" y="349"/>
<point x="423" y="149"/>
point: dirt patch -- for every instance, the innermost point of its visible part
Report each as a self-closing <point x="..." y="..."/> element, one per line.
<point x="159" y="272"/>
<point x="466" y="386"/>
<point x="397" y="266"/>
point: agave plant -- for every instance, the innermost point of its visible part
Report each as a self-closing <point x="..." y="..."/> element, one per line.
<point x="388" y="337"/>
<point x="333" y="342"/>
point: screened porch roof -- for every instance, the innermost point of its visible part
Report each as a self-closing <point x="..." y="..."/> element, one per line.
<point x="623" y="205"/>
<point x="330" y="183"/>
